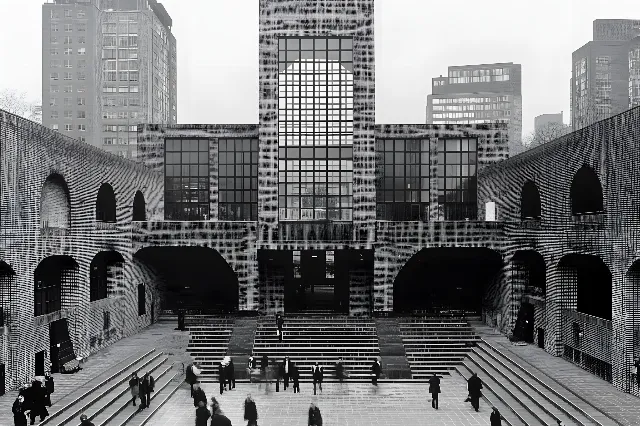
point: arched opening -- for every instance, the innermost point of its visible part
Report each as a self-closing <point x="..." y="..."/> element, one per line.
<point x="530" y="206"/>
<point x="106" y="276"/>
<point x="586" y="285"/>
<point x="55" y="203"/>
<point x="194" y="278"/>
<point x="528" y="277"/>
<point x="7" y="293"/>
<point x="139" y="208"/>
<point x="632" y="300"/>
<point x="445" y="279"/>
<point x="586" y="192"/>
<point x="106" y="204"/>
<point x="55" y="284"/>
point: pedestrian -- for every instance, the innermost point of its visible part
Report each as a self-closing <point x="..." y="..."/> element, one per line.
<point x="25" y="393"/>
<point x="318" y="375"/>
<point x="18" y="409"/>
<point x="146" y="387"/>
<point x="50" y="387"/>
<point x="251" y="365"/>
<point x="376" y="369"/>
<point x="38" y="407"/>
<point x="637" y="371"/>
<point x="315" y="418"/>
<point x="85" y="421"/>
<point x="217" y="417"/>
<point x="434" y="390"/>
<point x="280" y="325"/>
<point x="278" y="370"/>
<point x="474" y="386"/>
<point x="191" y="377"/>
<point x="287" y="366"/>
<point x="250" y="411"/>
<point x="496" y="418"/>
<point x="198" y="395"/>
<point x="134" y="386"/>
<point x="202" y="414"/>
<point x="221" y="377"/>
<point x="295" y="375"/>
<point x="231" y="374"/>
<point x="340" y="371"/>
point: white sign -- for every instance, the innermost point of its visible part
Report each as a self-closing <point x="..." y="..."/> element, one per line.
<point x="490" y="211"/>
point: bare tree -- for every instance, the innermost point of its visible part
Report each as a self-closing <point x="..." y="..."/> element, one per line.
<point x="16" y="103"/>
<point x="546" y="134"/>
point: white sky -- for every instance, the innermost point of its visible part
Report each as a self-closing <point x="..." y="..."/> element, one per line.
<point x="415" y="41"/>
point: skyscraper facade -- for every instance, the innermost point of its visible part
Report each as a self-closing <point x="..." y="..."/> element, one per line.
<point x="108" y="65"/>
<point x="474" y="94"/>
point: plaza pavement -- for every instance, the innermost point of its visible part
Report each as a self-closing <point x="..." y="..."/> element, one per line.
<point x="356" y="404"/>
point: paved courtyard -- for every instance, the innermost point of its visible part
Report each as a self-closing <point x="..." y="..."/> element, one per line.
<point x="355" y="404"/>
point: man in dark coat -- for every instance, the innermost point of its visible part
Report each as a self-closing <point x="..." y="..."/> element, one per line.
<point x="340" y="370"/>
<point x="221" y="376"/>
<point x="146" y="387"/>
<point x="198" y="395"/>
<point x="315" y="418"/>
<point x="217" y="418"/>
<point x="376" y="369"/>
<point x="264" y="364"/>
<point x="295" y="376"/>
<point x="637" y="371"/>
<point x="250" y="411"/>
<point x="318" y="375"/>
<point x="191" y="377"/>
<point x="37" y="402"/>
<point x="231" y="374"/>
<point x="495" y="418"/>
<point x="50" y="387"/>
<point x="85" y="421"/>
<point x="434" y="390"/>
<point x="279" y="372"/>
<point x="280" y="325"/>
<point x="287" y="371"/>
<point x="474" y="386"/>
<point x="202" y="414"/>
<point x="18" y="409"/>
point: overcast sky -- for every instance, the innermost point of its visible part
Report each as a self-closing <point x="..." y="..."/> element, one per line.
<point x="415" y="41"/>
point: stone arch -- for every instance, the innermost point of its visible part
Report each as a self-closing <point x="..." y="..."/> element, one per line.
<point x="55" y="203"/>
<point x="56" y="284"/>
<point x="530" y="205"/>
<point x="586" y="285"/>
<point x="193" y="277"/>
<point x="7" y="293"/>
<point x="106" y="275"/>
<point x="445" y="278"/>
<point x="528" y="278"/>
<point x="139" y="208"/>
<point x="530" y="269"/>
<point x="106" y="204"/>
<point x="586" y="192"/>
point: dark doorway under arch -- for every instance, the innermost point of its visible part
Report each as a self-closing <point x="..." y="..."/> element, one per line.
<point x="51" y="280"/>
<point x="586" y="192"/>
<point x="438" y="280"/>
<point x="106" y="270"/>
<point x="139" y="208"/>
<point x="529" y="268"/>
<point x="586" y="280"/>
<point x="106" y="204"/>
<point x="195" y="278"/>
<point x="8" y="291"/>
<point x="530" y="205"/>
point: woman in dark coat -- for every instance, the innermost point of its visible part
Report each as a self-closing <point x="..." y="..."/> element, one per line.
<point x="318" y="375"/>
<point x="191" y="377"/>
<point x="474" y="385"/>
<point x="198" y="395"/>
<point x="19" y="417"/>
<point x="295" y="376"/>
<point x="315" y="418"/>
<point x="496" y="417"/>
<point x="134" y="387"/>
<point x="250" y="411"/>
<point x="434" y="390"/>
<point x="231" y="375"/>
<point x="221" y="376"/>
<point x="50" y="387"/>
<point x="38" y="402"/>
<point x="144" y="390"/>
<point x="202" y="414"/>
<point x="375" y="372"/>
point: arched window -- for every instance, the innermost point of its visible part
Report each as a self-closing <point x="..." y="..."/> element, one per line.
<point x="55" y="203"/>
<point x="586" y="192"/>
<point x="52" y="274"/>
<point x="106" y="204"/>
<point x="530" y="206"/>
<point x="139" y="208"/>
<point x="105" y="275"/>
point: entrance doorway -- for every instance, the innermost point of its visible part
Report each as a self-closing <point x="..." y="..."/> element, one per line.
<point x="61" y="348"/>
<point x="40" y="363"/>
<point x="541" y="338"/>
<point x="524" y="324"/>
<point x="3" y="376"/>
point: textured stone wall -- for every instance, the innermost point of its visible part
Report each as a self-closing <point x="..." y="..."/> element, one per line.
<point x="610" y="148"/>
<point x="30" y="154"/>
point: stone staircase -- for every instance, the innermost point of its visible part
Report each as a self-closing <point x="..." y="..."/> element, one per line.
<point x="435" y="345"/>
<point x="392" y="352"/>
<point x="209" y="342"/>
<point x="241" y="345"/>
<point x="307" y="340"/>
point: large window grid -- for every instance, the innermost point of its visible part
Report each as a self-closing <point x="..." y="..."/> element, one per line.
<point x="238" y="179"/>
<point x="457" y="181"/>
<point x="403" y="170"/>
<point x="315" y="129"/>
<point x="186" y="193"/>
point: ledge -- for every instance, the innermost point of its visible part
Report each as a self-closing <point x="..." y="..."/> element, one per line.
<point x="52" y="231"/>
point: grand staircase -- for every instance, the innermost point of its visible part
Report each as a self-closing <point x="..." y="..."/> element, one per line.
<point x="436" y="345"/>
<point x="307" y="340"/>
<point x="208" y="342"/>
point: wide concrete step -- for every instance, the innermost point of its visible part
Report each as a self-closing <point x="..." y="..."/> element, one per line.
<point x="161" y="396"/>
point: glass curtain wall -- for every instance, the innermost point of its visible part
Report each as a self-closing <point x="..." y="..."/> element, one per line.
<point x="186" y="188"/>
<point x="315" y="129"/>
<point x="457" y="181"/>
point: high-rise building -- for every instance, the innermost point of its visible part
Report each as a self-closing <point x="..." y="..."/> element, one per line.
<point x="473" y="94"/>
<point x="547" y="119"/>
<point x="107" y="66"/>
<point x="606" y="72"/>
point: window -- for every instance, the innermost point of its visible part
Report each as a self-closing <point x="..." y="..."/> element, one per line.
<point x="315" y="134"/>
<point x="402" y="179"/>
<point x="67" y="101"/>
<point x="67" y="40"/>
<point x="67" y="13"/>
<point x="54" y="76"/>
<point x="82" y="89"/>
<point x="68" y="114"/>
<point x="457" y="182"/>
<point x="53" y="102"/>
<point x="82" y="27"/>
<point x="68" y="28"/>
<point x="54" y="14"/>
<point x="67" y="76"/>
<point x="81" y="14"/>
<point x="68" y="88"/>
<point x="82" y="101"/>
<point x="82" y="63"/>
<point x="54" y="88"/>
<point x="82" y="75"/>
<point x="55" y="51"/>
<point x="82" y="51"/>
<point x="68" y="51"/>
<point x="106" y="320"/>
<point x="82" y="139"/>
<point x="82" y="114"/>
<point x="142" y="300"/>
<point x="54" y="114"/>
<point x="82" y="127"/>
<point x="54" y="126"/>
<point x="186" y="179"/>
<point x="55" y="63"/>
<point x="238" y="179"/>
<point x="67" y="64"/>
<point x="81" y="40"/>
<point x="54" y="28"/>
<point x="67" y="127"/>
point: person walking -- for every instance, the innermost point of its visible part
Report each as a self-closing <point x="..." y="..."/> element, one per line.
<point x="231" y="374"/>
<point x="376" y="369"/>
<point x="295" y="375"/>
<point x="340" y="371"/>
<point x="250" y="411"/>
<point x="134" y="387"/>
<point x="315" y="418"/>
<point x="264" y="364"/>
<point x="636" y="367"/>
<point x="434" y="390"/>
<point x="496" y="418"/>
<point x="191" y="377"/>
<point x="287" y="365"/>
<point x="221" y="376"/>
<point x="278" y="370"/>
<point x="38" y="407"/>
<point x="198" y="395"/>
<point x="318" y="375"/>
<point x="18" y="409"/>
<point x="280" y="325"/>
<point x="202" y="414"/>
<point x="85" y="421"/>
<point x="474" y="386"/>
<point x="50" y="387"/>
<point x="146" y="387"/>
<point x="217" y="417"/>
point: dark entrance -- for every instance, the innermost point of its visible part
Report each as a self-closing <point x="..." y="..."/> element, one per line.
<point x="541" y="338"/>
<point x="524" y="324"/>
<point x="39" y="363"/>
<point x="445" y="280"/>
<point x="3" y="376"/>
<point x="61" y="347"/>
